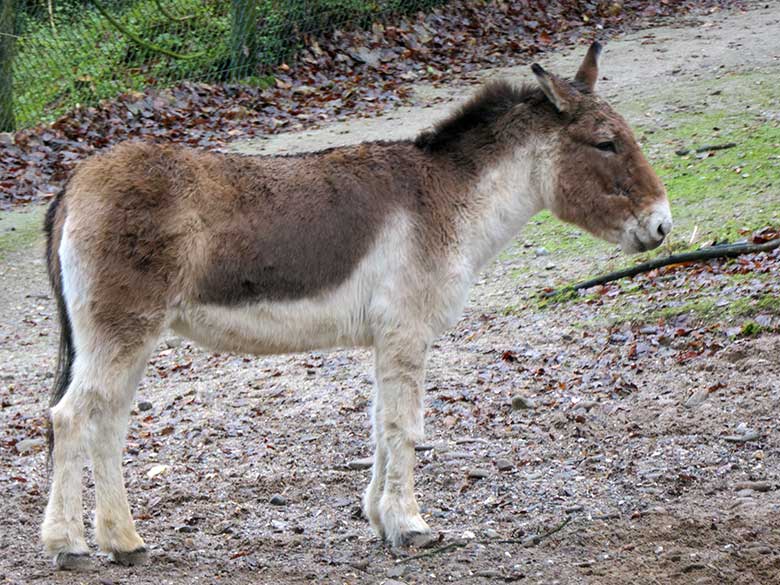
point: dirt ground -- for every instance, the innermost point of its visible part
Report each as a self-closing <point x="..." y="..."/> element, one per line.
<point x="664" y="469"/>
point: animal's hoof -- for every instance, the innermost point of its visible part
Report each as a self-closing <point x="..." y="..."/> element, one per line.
<point x="66" y="561"/>
<point x="139" y="556"/>
<point x="417" y="539"/>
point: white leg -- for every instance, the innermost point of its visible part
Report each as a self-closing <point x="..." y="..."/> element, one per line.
<point x="398" y="420"/>
<point x="114" y="527"/>
<point x="374" y="491"/>
<point x="63" y="527"/>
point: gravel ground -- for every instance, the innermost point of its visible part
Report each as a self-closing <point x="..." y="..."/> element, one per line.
<point x="663" y="470"/>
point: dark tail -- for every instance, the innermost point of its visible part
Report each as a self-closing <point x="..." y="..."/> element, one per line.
<point x="55" y="218"/>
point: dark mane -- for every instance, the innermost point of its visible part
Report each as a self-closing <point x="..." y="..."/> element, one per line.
<point x="493" y="101"/>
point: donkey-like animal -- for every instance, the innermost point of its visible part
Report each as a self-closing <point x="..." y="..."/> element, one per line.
<point x="367" y="245"/>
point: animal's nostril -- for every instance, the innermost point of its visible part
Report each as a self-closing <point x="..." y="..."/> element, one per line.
<point x="664" y="228"/>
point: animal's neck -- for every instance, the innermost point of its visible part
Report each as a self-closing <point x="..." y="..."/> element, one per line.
<point x="506" y="196"/>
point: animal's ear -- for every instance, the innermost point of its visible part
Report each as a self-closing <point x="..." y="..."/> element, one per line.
<point x="562" y="95"/>
<point x="588" y="72"/>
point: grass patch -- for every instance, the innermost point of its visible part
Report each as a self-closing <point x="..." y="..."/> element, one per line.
<point x="20" y="230"/>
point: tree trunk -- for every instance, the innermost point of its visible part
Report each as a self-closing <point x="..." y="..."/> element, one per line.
<point x="7" y="50"/>
<point x="243" y="29"/>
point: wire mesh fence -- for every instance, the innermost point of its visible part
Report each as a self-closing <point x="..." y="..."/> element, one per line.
<point x="57" y="54"/>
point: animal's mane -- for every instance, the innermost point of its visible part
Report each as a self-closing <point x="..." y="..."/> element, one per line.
<point x="489" y="104"/>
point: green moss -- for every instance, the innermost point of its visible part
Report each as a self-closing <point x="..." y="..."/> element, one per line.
<point x="20" y="230"/>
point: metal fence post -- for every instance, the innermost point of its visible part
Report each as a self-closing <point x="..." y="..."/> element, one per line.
<point x="243" y="29"/>
<point x="7" y="53"/>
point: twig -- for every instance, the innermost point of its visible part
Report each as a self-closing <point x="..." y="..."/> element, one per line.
<point x="138" y="40"/>
<point x="721" y="251"/>
<point x="705" y="148"/>
<point x="456" y="545"/>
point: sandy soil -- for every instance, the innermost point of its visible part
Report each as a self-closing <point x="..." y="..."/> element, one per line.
<point x="650" y="458"/>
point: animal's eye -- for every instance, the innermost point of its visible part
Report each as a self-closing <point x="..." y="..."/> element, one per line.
<point x="606" y="146"/>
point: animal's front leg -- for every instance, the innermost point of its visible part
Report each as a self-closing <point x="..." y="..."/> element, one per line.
<point x="398" y="422"/>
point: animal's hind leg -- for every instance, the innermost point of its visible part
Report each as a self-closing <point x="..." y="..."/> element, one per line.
<point x="114" y="527"/>
<point x="63" y="526"/>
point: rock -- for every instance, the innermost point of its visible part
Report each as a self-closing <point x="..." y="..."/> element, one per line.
<point x="277" y="500"/>
<point x="478" y="473"/>
<point x="157" y="470"/>
<point x="747" y="435"/>
<point x="185" y="529"/>
<point x="521" y="402"/>
<point x="279" y="525"/>
<point x="144" y="405"/>
<point x="504" y="465"/>
<point x="697" y="398"/>
<point x="542" y="251"/>
<point x="357" y="464"/>
<point x="531" y="540"/>
<point x="756" y="486"/>
<point x="30" y="445"/>
<point x="360" y="565"/>
<point x="490" y="533"/>
<point x="396" y="571"/>
<point x="585" y="405"/>
<point x="468" y="535"/>
<point x="173" y="342"/>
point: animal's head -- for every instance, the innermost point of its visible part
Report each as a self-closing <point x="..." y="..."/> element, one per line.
<point x="604" y="183"/>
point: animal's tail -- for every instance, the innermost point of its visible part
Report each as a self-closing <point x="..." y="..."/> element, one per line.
<point x="55" y="218"/>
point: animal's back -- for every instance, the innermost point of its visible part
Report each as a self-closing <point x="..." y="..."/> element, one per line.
<point x="228" y="229"/>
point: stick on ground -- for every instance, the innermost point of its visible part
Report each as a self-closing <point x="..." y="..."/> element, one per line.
<point x="720" y="251"/>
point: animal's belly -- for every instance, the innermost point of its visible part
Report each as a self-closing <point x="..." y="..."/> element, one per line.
<point x="270" y="328"/>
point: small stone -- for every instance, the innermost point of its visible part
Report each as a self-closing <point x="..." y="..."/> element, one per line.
<point x="30" y="445"/>
<point x="185" y="529"/>
<point x="531" y="540"/>
<point x="521" y="402"/>
<point x="144" y="405"/>
<point x="756" y="486"/>
<point x="357" y="464"/>
<point x="173" y="342"/>
<point x="504" y="465"/>
<point x="468" y="535"/>
<point x="490" y="533"/>
<point x="697" y="398"/>
<point x="542" y="252"/>
<point x="478" y="473"/>
<point x="585" y="405"/>
<point x="360" y="565"/>
<point x="157" y="470"/>
<point x="746" y="436"/>
<point x="277" y="500"/>
<point x="396" y="571"/>
<point x="279" y="525"/>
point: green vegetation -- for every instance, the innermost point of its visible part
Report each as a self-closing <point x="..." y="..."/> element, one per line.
<point x="20" y="230"/>
<point x="75" y="56"/>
